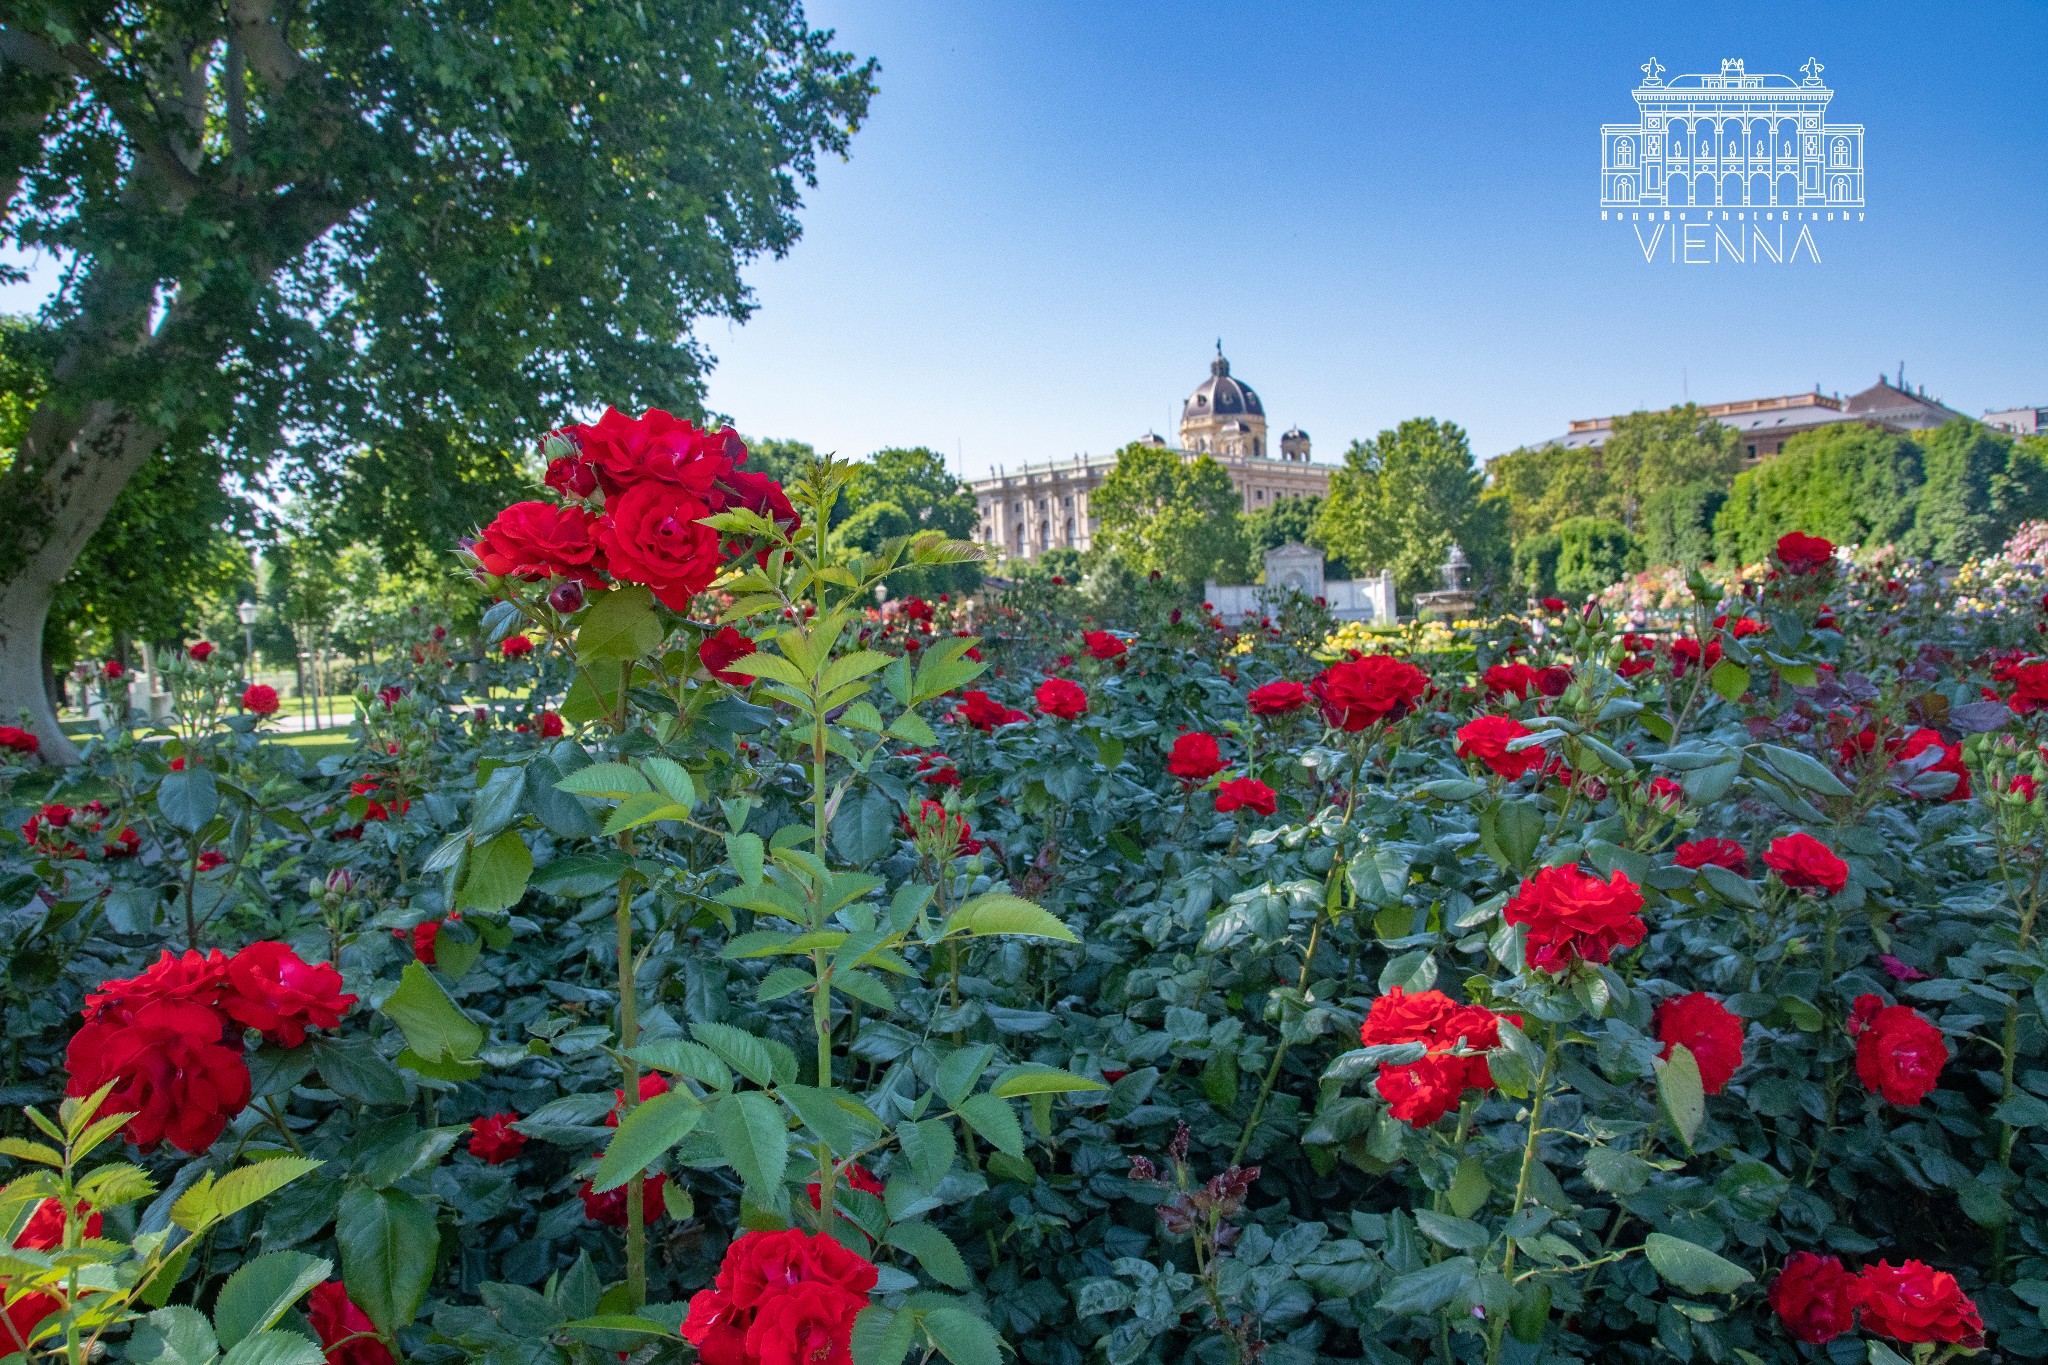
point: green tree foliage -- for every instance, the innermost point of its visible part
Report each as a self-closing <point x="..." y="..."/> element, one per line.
<point x="367" y="215"/>
<point x="1593" y="552"/>
<point x="1288" y="521"/>
<point x="1649" y="453"/>
<point x="1178" y="517"/>
<point x="1849" y="482"/>
<point x="1536" y="563"/>
<point x="1980" y="484"/>
<point x="1677" y="524"/>
<point x="782" y="461"/>
<point x="1539" y="486"/>
<point x="901" y="491"/>
<point x="1403" y="497"/>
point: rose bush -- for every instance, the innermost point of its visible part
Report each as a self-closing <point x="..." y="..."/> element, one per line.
<point x="826" y="986"/>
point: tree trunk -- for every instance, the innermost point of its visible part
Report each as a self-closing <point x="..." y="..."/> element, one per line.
<point x="83" y="466"/>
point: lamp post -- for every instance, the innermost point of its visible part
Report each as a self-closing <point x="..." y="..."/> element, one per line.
<point x="247" y="612"/>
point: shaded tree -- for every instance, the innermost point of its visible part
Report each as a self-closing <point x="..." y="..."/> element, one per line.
<point x="1593" y="552"/>
<point x="910" y="489"/>
<point x="1402" y="498"/>
<point x="1179" y="517"/>
<point x="1288" y="521"/>
<point x="1852" y="483"/>
<point x="309" y="230"/>
<point x="1980" y="484"/>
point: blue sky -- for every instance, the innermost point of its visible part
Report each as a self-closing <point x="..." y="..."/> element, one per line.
<point x="1384" y="211"/>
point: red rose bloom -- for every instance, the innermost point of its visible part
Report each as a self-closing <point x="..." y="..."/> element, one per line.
<point x="1195" y="758"/>
<point x="985" y="713"/>
<point x="515" y="646"/>
<point x="609" y="1208"/>
<point x="169" y="1068"/>
<point x="423" y="937"/>
<point x="17" y="740"/>
<point x="653" y="533"/>
<point x="45" y="1228"/>
<point x="1553" y="681"/>
<point x="858" y="1177"/>
<point x="933" y="822"/>
<point x="571" y="476"/>
<point x="259" y="699"/>
<point x="719" y="652"/>
<point x="1502" y="679"/>
<point x="1915" y="1302"/>
<point x="280" y="996"/>
<point x="539" y="540"/>
<point x="200" y="652"/>
<point x="493" y="1140"/>
<point x="656" y="446"/>
<point x="1899" y="1054"/>
<point x="1553" y="604"/>
<point x="1949" y="759"/>
<point x="1804" y="862"/>
<point x="1100" y="644"/>
<point x="1058" y="697"/>
<point x="652" y="1083"/>
<point x="211" y="859"/>
<point x="1709" y="1032"/>
<point x="1666" y="795"/>
<point x="344" y="1329"/>
<point x="1719" y="852"/>
<point x="1487" y="740"/>
<point x="2029" y="687"/>
<point x="1573" y="916"/>
<point x="1815" y="1298"/>
<point x="1420" y="1092"/>
<point x="2022" y="783"/>
<point x="192" y="977"/>
<point x="1277" y="698"/>
<point x="1245" y="793"/>
<point x="551" y="725"/>
<point x="114" y="668"/>
<point x="1802" y="554"/>
<point x="1361" y="692"/>
<point x="762" y="1268"/>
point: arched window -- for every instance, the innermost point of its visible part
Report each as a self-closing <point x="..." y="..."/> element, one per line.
<point x="1839" y="153"/>
<point x="1624" y="153"/>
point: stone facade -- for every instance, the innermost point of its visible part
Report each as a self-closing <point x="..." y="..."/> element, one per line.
<point x="1042" y="507"/>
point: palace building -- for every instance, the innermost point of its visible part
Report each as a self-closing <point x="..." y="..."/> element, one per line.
<point x="1040" y="507"/>
<point x="1765" y="424"/>
<point x="1736" y="138"/>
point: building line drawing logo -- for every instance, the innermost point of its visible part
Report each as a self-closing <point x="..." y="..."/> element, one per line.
<point x="1731" y="147"/>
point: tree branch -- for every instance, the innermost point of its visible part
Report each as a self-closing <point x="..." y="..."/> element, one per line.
<point x="262" y="38"/>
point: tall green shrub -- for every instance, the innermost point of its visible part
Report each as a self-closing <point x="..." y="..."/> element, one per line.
<point x="1593" y="552"/>
<point x="1677" y="525"/>
<point x="1852" y="483"/>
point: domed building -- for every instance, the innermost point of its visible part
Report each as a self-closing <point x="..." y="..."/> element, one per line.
<point x="1044" y="507"/>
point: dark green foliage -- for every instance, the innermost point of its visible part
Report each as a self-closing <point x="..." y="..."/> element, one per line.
<point x="1177" y="517"/>
<point x="1854" y="484"/>
<point x="1403" y="498"/>
<point x="1677" y="524"/>
<point x="1536" y="563"/>
<point x="1287" y="521"/>
<point x="1593" y="552"/>
<point x="1980" y="485"/>
<point x="903" y="491"/>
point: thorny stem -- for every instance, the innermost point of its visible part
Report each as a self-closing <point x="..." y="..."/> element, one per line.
<point x="1251" y="1123"/>
<point x="629" y="1095"/>
<point x="1507" y="1264"/>
<point x="2030" y="905"/>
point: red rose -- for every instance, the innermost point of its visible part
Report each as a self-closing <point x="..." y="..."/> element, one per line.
<point x="1709" y="1032"/>
<point x="551" y="725"/>
<point x="199" y="652"/>
<point x="1899" y="1054"/>
<point x="1666" y="795"/>
<point x="931" y="825"/>
<point x="1802" y="861"/>
<point x="1365" y="691"/>
<point x="18" y="740"/>
<point x="114" y="668"/>
<point x="1277" y="698"/>
<point x="914" y="609"/>
<point x="1553" y="604"/>
<point x="45" y="1228"/>
<point x="609" y="1208"/>
<point x="858" y="1177"/>
<point x="1420" y="1092"/>
<point x="1573" y="916"/>
<point x="192" y="978"/>
<point x="1553" y="681"/>
<point x="423" y="937"/>
<point x="540" y="540"/>
<point x="718" y="652"/>
<point x="1195" y="758"/>
<point x="345" y="1330"/>
<point x="493" y="1139"/>
<point x="1687" y="654"/>
<point x="1102" y="645"/>
<point x="1487" y="739"/>
<point x="652" y="1083"/>
<point x="515" y="646"/>
<point x="2030" y="687"/>
<point x="1718" y="852"/>
<point x="656" y="446"/>
<point x="281" y="996"/>
<point x="1245" y="793"/>
<point x="211" y="859"/>
<point x="985" y="713"/>
<point x="1502" y="679"/>
<point x="2022" y="783"/>
<point x="169" y="1068"/>
<point x="259" y="699"/>
<point x="759" y="494"/>
<point x="571" y="476"/>
<point x="762" y="1267"/>
<point x="1948" y="758"/>
<point x="807" y="1324"/>
<point x="1058" y="697"/>
<point x="653" y="533"/>
<point x="1802" y="554"/>
<point x="1915" y="1302"/>
<point x="1815" y="1298"/>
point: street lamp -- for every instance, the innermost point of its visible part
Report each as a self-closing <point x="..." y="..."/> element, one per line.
<point x="247" y="612"/>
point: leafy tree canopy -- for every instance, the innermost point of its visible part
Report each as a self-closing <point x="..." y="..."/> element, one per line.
<point x="1287" y="521"/>
<point x="1849" y="482"/>
<point x="1647" y="454"/>
<point x="1402" y="498"/>
<point x="1177" y="517"/>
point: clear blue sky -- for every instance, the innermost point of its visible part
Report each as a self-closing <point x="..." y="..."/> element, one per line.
<point x="1384" y="211"/>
